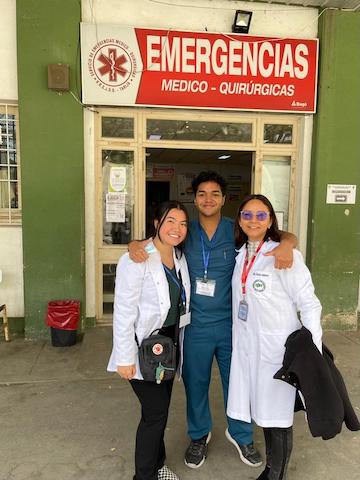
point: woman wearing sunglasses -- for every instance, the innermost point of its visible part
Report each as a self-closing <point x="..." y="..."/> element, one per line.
<point x="265" y="306"/>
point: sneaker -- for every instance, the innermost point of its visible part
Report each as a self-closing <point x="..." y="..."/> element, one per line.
<point x="248" y="453"/>
<point x="197" y="451"/>
<point x="166" y="474"/>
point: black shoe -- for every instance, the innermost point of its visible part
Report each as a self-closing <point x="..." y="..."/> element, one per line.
<point x="264" y="474"/>
<point x="197" y="451"/>
<point x="248" y="453"/>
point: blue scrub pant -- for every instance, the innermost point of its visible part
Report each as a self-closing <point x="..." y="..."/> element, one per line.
<point x="201" y="344"/>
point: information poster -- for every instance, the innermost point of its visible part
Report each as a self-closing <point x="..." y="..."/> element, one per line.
<point x="115" y="207"/>
<point x="117" y="179"/>
<point x="184" y="187"/>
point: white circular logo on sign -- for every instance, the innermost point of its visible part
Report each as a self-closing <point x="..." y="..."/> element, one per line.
<point x="112" y="65"/>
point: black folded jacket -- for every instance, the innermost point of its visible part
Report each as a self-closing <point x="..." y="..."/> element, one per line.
<point x="321" y="384"/>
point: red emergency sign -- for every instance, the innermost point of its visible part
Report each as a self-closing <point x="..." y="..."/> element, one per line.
<point x="199" y="70"/>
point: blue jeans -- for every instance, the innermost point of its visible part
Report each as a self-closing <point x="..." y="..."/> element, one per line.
<point x="201" y="344"/>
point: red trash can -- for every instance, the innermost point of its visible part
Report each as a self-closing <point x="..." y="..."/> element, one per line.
<point x="63" y="318"/>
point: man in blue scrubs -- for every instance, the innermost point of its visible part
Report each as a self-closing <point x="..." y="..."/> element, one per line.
<point x="210" y="254"/>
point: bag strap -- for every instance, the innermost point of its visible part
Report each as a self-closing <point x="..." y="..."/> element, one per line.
<point x="142" y="285"/>
<point x="137" y="341"/>
<point x="177" y="324"/>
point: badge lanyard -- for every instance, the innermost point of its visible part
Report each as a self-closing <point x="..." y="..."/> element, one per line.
<point x="246" y="269"/>
<point x="243" y="306"/>
<point x="206" y="255"/>
<point x="178" y="283"/>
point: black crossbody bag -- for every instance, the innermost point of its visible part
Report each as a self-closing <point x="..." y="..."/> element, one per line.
<point x="157" y="357"/>
<point x="158" y="353"/>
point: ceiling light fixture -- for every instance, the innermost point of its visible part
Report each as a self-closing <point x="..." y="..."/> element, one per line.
<point x="224" y="157"/>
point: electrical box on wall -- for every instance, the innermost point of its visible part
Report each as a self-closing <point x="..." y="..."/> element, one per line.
<point x="58" y="77"/>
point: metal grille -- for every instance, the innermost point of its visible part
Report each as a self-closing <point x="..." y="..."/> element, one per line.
<point x="10" y="205"/>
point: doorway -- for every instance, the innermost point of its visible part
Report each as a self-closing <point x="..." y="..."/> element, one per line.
<point x="143" y="157"/>
<point x="178" y="167"/>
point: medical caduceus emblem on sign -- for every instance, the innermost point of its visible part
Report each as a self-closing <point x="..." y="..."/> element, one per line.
<point x="112" y="65"/>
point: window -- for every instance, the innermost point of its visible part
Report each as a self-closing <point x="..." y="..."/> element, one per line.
<point x="198" y="131"/>
<point x="10" y="203"/>
<point x="277" y="133"/>
<point x="276" y="186"/>
<point x="117" y="127"/>
<point x="117" y="196"/>
<point x="109" y="274"/>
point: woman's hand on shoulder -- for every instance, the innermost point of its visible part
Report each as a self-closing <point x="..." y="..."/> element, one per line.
<point x="126" y="372"/>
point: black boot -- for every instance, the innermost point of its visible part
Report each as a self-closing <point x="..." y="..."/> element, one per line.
<point x="264" y="474"/>
<point x="281" y="447"/>
<point x="267" y="436"/>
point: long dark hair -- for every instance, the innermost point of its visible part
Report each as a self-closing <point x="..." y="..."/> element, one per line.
<point x="273" y="233"/>
<point x="162" y="212"/>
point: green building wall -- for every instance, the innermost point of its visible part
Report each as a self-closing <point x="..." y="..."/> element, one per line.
<point x="51" y="136"/>
<point x="334" y="230"/>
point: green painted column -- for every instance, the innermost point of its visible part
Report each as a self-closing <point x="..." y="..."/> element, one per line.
<point x="334" y="240"/>
<point x="51" y="145"/>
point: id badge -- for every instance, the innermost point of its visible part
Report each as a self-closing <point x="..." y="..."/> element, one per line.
<point x="185" y="319"/>
<point x="206" y="288"/>
<point x="243" y="311"/>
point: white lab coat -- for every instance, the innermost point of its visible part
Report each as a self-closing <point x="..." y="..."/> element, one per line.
<point x="141" y="305"/>
<point x="274" y="297"/>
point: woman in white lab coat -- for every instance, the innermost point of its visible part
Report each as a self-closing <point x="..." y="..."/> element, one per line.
<point x="149" y="296"/>
<point x="265" y="305"/>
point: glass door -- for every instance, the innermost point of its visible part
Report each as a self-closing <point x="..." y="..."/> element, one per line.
<point x="277" y="166"/>
<point x="275" y="185"/>
<point x="117" y="196"/>
<point x="117" y="217"/>
<point x="118" y="178"/>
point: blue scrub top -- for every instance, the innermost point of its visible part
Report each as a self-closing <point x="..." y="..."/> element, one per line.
<point x="208" y="310"/>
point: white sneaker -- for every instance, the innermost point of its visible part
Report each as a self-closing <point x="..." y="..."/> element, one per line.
<point x="166" y="474"/>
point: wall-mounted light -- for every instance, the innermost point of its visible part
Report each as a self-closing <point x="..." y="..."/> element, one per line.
<point x="242" y="21"/>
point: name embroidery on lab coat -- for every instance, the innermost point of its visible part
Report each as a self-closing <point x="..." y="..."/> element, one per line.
<point x="259" y="284"/>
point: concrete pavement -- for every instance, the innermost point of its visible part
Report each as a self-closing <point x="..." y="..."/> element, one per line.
<point x="62" y="417"/>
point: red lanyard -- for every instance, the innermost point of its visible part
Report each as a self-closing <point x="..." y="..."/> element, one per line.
<point x="246" y="271"/>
